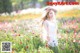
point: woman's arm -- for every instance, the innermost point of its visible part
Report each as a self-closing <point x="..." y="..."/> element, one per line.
<point x="46" y="26"/>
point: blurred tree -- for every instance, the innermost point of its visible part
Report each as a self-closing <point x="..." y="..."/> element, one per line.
<point x="5" y="6"/>
<point x="34" y="2"/>
<point x="1" y="6"/>
<point x="15" y="5"/>
<point x="44" y="2"/>
<point x="20" y="4"/>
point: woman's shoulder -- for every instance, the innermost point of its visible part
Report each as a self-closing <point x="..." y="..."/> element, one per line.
<point x="46" y="21"/>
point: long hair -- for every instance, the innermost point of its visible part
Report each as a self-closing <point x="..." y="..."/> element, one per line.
<point x="45" y="17"/>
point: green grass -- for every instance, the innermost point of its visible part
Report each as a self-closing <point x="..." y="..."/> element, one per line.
<point x="24" y="41"/>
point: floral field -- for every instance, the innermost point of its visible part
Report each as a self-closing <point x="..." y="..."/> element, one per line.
<point x="25" y="36"/>
<point x="32" y="14"/>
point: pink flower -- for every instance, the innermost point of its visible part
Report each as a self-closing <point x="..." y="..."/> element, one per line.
<point x="78" y="41"/>
<point x="20" y="42"/>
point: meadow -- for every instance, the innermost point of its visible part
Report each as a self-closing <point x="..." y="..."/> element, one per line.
<point x="25" y="33"/>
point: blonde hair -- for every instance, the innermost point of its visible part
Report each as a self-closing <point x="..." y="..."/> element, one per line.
<point x="45" y="15"/>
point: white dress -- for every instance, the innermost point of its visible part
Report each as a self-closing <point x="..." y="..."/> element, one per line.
<point x="52" y="33"/>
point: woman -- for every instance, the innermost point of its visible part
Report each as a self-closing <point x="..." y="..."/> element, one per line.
<point x="49" y="25"/>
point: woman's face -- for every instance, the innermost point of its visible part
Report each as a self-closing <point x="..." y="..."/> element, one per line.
<point x="51" y="14"/>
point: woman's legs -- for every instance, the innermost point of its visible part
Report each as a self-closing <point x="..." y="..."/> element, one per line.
<point x="54" y="46"/>
<point x="55" y="49"/>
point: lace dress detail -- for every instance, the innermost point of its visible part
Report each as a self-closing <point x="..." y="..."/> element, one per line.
<point x="52" y="32"/>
